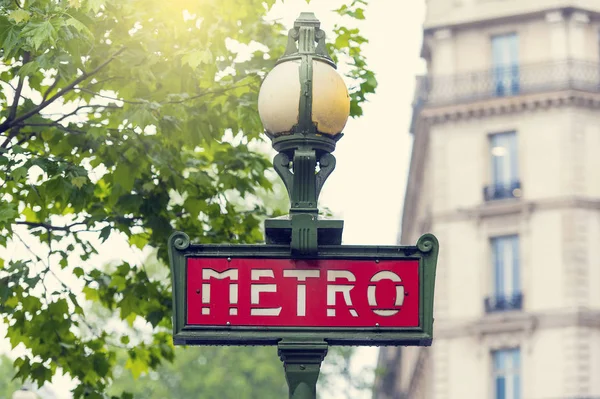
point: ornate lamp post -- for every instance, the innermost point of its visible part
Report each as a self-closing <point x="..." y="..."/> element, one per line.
<point x="304" y="105"/>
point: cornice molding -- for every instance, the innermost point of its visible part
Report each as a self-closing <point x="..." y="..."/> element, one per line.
<point x="517" y="322"/>
<point x="510" y="17"/>
<point x="516" y="206"/>
<point x="508" y="105"/>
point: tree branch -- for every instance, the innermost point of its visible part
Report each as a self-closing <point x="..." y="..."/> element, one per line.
<point x="8" y="123"/>
<point x="194" y="97"/>
<point x="48" y="226"/>
<point x="24" y="139"/>
<point x="103" y="81"/>
<point x="207" y="92"/>
<point x="57" y="125"/>
<point x="52" y="86"/>
<point x="65" y="116"/>
<point x="15" y="104"/>
<point x="9" y="85"/>
<point x="13" y="108"/>
<point x="83" y="89"/>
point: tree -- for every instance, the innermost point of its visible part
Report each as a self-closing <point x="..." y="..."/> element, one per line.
<point x="113" y="114"/>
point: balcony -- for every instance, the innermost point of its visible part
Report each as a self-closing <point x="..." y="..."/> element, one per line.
<point x="502" y="191"/>
<point x="507" y="81"/>
<point x="503" y="303"/>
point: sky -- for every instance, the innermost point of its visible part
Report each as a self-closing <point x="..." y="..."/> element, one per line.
<point x="367" y="187"/>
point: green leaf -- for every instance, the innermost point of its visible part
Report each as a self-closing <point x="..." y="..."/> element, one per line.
<point x="79" y="181"/>
<point x="30" y="215"/>
<point x="19" y="173"/>
<point x="78" y="25"/>
<point x="124" y="177"/>
<point x="139" y="240"/>
<point x="19" y="15"/>
<point x="90" y="293"/>
<point x="105" y="233"/>
<point x="137" y="367"/>
<point x="29" y="69"/>
<point x="195" y="58"/>
<point x="118" y="282"/>
<point x="40" y="33"/>
<point x="10" y="39"/>
<point x="95" y="5"/>
<point x="8" y="212"/>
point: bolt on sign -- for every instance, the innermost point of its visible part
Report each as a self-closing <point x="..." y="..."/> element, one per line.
<point x="346" y="295"/>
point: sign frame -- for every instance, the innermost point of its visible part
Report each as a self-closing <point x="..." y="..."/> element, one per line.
<point x="426" y="252"/>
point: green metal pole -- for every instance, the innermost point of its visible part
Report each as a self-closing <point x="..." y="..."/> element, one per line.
<point x="302" y="364"/>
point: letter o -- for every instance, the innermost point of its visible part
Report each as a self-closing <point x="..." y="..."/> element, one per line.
<point x="385" y="275"/>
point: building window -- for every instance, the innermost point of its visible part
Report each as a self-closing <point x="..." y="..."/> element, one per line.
<point x="504" y="167"/>
<point x="505" y="64"/>
<point x="507" y="293"/>
<point x="507" y="373"/>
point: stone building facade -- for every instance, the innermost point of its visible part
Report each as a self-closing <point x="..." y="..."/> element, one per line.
<point x="505" y="170"/>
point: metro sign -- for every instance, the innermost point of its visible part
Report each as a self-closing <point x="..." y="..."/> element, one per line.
<point x="291" y="293"/>
<point x="258" y="295"/>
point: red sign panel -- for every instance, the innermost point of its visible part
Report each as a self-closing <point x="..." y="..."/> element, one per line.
<point x="302" y="293"/>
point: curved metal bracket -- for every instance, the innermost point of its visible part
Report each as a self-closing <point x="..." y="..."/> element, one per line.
<point x="327" y="165"/>
<point x="281" y="163"/>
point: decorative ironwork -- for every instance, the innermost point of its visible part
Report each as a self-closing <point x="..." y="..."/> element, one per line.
<point x="502" y="191"/>
<point x="301" y="152"/>
<point x="569" y="74"/>
<point x="502" y="303"/>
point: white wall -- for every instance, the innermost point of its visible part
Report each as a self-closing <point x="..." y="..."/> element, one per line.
<point x="449" y="12"/>
<point x="544" y="286"/>
<point x="589" y="149"/>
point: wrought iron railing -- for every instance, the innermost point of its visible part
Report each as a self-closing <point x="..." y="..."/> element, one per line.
<point x="507" y="81"/>
<point x="502" y="303"/>
<point x="502" y="191"/>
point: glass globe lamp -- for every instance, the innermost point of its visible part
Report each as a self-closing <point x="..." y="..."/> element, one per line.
<point x="280" y="94"/>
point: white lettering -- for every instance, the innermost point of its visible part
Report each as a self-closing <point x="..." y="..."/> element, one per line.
<point x="332" y="290"/>
<point x="232" y="274"/>
<point x="255" y="291"/>
<point x="301" y="275"/>
<point x="385" y="275"/>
